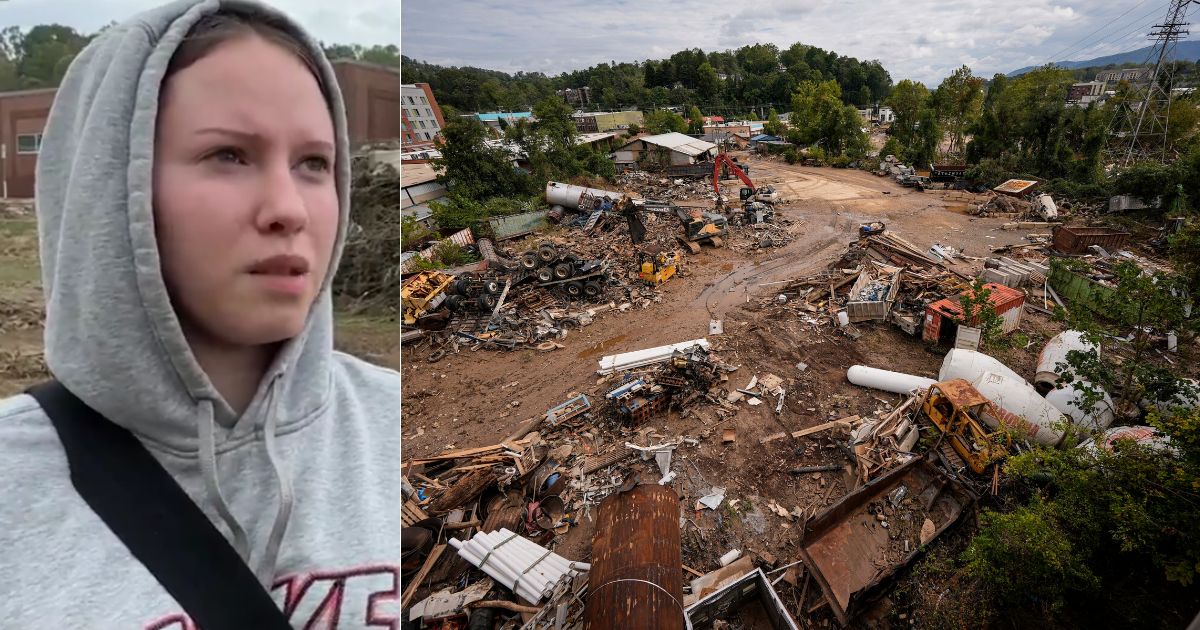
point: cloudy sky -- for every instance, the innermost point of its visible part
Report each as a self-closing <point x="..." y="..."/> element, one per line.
<point x="917" y="39"/>
<point x="366" y="22"/>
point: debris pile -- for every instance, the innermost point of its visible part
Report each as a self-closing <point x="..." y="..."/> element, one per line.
<point x="369" y="271"/>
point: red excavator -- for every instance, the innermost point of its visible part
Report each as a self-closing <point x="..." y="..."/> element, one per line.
<point x="748" y="193"/>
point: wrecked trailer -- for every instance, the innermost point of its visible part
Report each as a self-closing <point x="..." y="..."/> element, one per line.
<point x="856" y="544"/>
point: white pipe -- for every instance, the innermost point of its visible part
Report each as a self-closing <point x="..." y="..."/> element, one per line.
<point x="969" y="365"/>
<point x="888" y="381"/>
<point x="529" y="544"/>
<point x="543" y="574"/>
<point x="495" y="571"/>
<point x="1055" y="352"/>
<point x="510" y="581"/>
<point x="535" y="581"/>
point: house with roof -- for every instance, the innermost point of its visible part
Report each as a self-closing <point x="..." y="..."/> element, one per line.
<point x="666" y="149"/>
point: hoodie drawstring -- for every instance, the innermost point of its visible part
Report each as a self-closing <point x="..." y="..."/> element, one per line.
<point x="208" y="470"/>
<point x="266" y="566"/>
<point x="264" y="569"/>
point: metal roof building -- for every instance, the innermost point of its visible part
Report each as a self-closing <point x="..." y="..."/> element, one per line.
<point x="667" y="149"/>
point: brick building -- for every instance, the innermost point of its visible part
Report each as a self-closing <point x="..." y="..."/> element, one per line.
<point x="372" y="96"/>
<point x="371" y="93"/>
<point x="421" y="116"/>
<point x="22" y="117"/>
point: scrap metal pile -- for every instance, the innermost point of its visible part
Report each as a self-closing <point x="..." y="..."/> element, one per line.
<point x="501" y="507"/>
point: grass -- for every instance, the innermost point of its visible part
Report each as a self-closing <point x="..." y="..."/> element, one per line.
<point x="20" y="270"/>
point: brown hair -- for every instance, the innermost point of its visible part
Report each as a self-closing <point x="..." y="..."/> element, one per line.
<point x="213" y="30"/>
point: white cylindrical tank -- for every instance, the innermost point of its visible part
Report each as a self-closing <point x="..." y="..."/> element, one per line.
<point x="888" y="381"/>
<point x="1040" y="421"/>
<point x="1054" y="353"/>
<point x="1067" y="399"/>
<point x="1148" y="437"/>
<point x="969" y="365"/>
<point x="567" y="195"/>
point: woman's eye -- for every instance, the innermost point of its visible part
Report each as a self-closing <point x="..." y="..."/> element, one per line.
<point x="316" y="163"/>
<point x="230" y="155"/>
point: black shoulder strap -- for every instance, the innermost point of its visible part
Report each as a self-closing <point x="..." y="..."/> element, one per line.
<point x="164" y="529"/>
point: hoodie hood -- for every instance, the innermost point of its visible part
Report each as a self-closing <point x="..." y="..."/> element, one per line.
<point x="112" y="335"/>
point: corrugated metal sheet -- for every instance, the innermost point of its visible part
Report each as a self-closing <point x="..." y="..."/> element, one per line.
<point x="462" y="237"/>
<point x="1007" y="301"/>
<point x="680" y="142"/>
<point x="516" y="225"/>
<point x="422" y="192"/>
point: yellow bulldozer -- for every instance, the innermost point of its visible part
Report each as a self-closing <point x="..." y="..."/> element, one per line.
<point x="656" y="267"/>
<point x="960" y="412"/>
<point x="423" y="292"/>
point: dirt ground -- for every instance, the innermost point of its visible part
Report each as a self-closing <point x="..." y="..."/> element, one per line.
<point x="475" y="399"/>
<point x="370" y="336"/>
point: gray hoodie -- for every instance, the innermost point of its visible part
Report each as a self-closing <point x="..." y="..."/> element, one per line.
<point x="305" y="484"/>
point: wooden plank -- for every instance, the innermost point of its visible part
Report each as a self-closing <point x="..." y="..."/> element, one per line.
<point x="773" y="437"/>
<point x="692" y="571"/>
<point x="464" y="490"/>
<point x="420" y="577"/>
<point x="845" y="422"/>
<point x="470" y="452"/>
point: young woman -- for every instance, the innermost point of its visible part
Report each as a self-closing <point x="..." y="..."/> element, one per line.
<point x="192" y="201"/>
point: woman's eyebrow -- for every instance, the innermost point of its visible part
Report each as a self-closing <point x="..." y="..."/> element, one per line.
<point x="257" y="138"/>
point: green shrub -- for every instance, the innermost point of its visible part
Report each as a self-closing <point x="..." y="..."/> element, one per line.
<point x="791" y="156"/>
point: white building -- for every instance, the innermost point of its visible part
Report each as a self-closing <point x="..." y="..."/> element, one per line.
<point x="422" y="118"/>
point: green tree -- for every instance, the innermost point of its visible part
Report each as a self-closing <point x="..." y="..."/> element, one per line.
<point x="1139" y="301"/>
<point x="664" y="121"/>
<point x="695" y="120"/>
<point x="908" y="100"/>
<point x="707" y="83"/>
<point x="470" y="168"/>
<point x="773" y="126"/>
<point x="959" y="101"/>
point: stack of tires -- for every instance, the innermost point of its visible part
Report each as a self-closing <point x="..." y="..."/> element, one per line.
<point x="548" y="265"/>
<point x="474" y="292"/>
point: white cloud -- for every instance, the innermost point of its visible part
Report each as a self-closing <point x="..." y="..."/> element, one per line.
<point x="366" y="22"/>
<point x="924" y="40"/>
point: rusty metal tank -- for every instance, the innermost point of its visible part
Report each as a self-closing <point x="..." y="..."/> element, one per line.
<point x="636" y="582"/>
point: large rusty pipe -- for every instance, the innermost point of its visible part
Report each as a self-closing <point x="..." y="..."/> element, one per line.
<point x="636" y="582"/>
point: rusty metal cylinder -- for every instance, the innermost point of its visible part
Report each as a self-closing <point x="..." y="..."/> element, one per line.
<point x="636" y="581"/>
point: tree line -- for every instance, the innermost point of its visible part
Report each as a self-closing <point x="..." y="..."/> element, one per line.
<point x="39" y="57"/>
<point x="757" y="76"/>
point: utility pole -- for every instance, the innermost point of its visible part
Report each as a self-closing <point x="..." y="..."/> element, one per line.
<point x="1147" y="135"/>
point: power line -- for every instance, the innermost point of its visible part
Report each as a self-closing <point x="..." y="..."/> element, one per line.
<point x="1070" y="46"/>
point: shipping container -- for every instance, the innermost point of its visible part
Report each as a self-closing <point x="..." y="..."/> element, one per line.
<point x="941" y="316"/>
<point x="1076" y="239"/>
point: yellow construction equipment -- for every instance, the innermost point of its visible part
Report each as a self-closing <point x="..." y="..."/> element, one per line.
<point x="656" y="267"/>
<point x="423" y="292"/>
<point x="959" y="411"/>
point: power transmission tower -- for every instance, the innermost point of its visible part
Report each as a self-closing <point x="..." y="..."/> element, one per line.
<point x="1147" y="133"/>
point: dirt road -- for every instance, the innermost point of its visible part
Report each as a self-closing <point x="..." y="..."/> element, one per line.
<point x="472" y="399"/>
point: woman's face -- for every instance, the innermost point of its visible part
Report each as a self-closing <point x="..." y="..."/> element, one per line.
<point x="245" y="205"/>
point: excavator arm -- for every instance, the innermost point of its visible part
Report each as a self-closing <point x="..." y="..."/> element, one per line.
<point x="723" y="158"/>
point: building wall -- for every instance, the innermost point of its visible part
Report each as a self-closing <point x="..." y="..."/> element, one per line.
<point x="21" y="113"/>
<point x="422" y="117"/>
<point x="586" y="124"/>
<point x="607" y="121"/>
<point x="372" y="96"/>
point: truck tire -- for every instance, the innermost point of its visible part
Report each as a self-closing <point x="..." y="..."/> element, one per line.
<point x="574" y="289"/>
<point x="454" y="302"/>
<point x="562" y="271"/>
<point x="530" y="260"/>
<point x="493" y="286"/>
<point x="545" y="274"/>
<point x="487" y="302"/>
<point x="460" y="286"/>
<point x="570" y="259"/>
<point x="547" y="252"/>
<point x="593" y="289"/>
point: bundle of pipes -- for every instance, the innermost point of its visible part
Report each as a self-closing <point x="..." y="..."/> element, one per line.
<point x="522" y="566"/>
